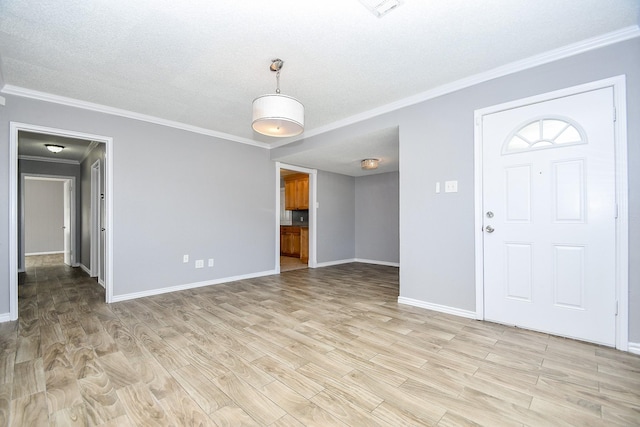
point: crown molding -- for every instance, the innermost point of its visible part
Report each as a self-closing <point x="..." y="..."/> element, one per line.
<point x="573" y="49"/>
<point x="71" y="102"/>
<point x="49" y="159"/>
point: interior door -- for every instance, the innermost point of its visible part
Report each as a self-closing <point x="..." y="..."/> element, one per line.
<point x="103" y="238"/>
<point x="67" y="222"/>
<point x="549" y="216"/>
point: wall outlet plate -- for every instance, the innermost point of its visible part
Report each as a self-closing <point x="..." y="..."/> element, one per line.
<point x="199" y="263"/>
<point x="185" y="258"/>
<point x="451" y="186"/>
<point x="210" y="263"/>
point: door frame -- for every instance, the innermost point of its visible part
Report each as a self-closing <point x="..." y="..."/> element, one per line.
<point x="313" y="217"/>
<point x="96" y="254"/>
<point x="618" y="84"/>
<point x="14" y="129"/>
<point x="72" y="209"/>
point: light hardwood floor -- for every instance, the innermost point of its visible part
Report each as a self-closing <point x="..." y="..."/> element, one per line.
<point x="288" y="263"/>
<point x="322" y="347"/>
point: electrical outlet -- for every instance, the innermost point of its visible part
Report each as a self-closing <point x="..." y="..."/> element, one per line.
<point x="451" y="186"/>
<point x="199" y="263"/>
<point x="210" y="263"/>
<point x="185" y="258"/>
<point x="438" y="187"/>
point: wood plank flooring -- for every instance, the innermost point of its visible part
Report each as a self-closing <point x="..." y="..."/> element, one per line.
<point x="321" y="347"/>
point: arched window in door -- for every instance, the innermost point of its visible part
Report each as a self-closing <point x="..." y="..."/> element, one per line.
<point x="543" y="133"/>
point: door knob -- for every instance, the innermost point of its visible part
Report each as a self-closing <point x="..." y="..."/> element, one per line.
<point x="489" y="229"/>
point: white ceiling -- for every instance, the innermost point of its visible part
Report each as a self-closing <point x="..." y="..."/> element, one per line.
<point x="202" y="62"/>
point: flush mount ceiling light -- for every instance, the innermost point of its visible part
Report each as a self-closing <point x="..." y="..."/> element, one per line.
<point x="54" y="148"/>
<point x="369" y="164"/>
<point x="381" y="7"/>
<point x="275" y="114"/>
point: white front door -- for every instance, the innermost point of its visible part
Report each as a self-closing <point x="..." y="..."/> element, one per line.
<point x="67" y="222"/>
<point x="548" y="195"/>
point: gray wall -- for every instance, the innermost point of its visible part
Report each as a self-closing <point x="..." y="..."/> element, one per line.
<point x="43" y="216"/>
<point x="174" y="193"/>
<point x="40" y="168"/>
<point x="377" y="213"/>
<point x="436" y="144"/>
<point x="336" y="217"/>
<point x="97" y="153"/>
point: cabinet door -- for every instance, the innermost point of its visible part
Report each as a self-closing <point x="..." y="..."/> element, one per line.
<point x="283" y="242"/>
<point x="290" y="195"/>
<point x="295" y="243"/>
<point x="302" y="193"/>
<point x="304" y="244"/>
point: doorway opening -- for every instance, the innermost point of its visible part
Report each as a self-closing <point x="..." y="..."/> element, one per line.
<point x="48" y="221"/>
<point x="296" y="217"/>
<point x="29" y="156"/>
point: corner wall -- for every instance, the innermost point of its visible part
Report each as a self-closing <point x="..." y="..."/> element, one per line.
<point x="336" y="214"/>
<point x="377" y="218"/>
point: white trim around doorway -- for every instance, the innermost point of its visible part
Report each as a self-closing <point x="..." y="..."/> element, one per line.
<point x="73" y="220"/>
<point x="313" y="210"/>
<point x="14" y="129"/>
<point x="618" y="84"/>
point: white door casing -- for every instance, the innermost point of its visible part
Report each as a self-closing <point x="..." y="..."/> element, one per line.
<point x="550" y="262"/>
<point x="313" y="209"/>
<point x="14" y="129"/>
<point x="95" y="220"/>
<point x="66" y="228"/>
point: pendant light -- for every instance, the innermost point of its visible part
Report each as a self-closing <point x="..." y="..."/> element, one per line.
<point x="275" y="114"/>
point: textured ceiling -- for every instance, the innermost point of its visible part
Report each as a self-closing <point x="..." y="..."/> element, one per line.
<point x="202" y="62"/>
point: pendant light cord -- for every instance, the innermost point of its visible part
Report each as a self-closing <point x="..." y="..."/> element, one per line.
<point x="278" y="82"/>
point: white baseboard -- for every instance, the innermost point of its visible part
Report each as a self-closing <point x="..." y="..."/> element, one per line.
<point x="44" y="253"/>
<point x="437" y="307"/>
<point x="85" y="269"/>
<point x="338" y="262"/>
<point x="125" y="297"/>
<point x="634" y="347"/>
<point x="5" y="317"/>
<point x="373" y="261"/>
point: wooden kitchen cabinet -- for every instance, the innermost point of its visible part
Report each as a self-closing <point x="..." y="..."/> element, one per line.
<point x="296" y="192"/>
<point x="304" y="244"/>
<point x="290" y="241"/>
